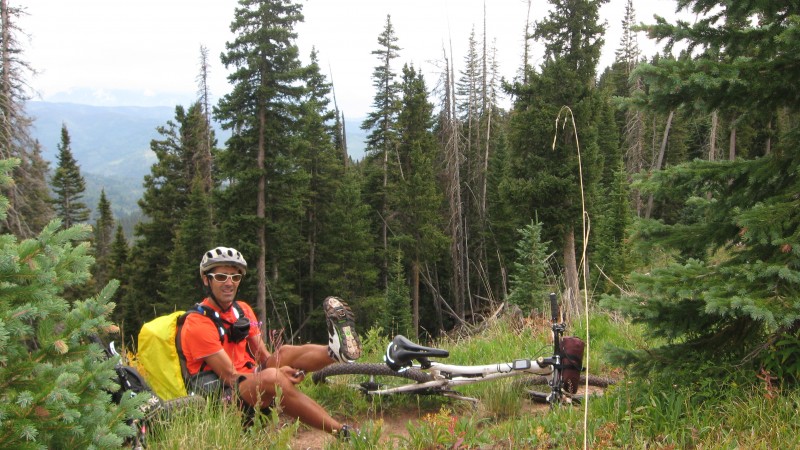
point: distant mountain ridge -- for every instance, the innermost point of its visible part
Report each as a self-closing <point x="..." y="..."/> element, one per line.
<point x="114" y="141"/>
<point x="112" y="144"/>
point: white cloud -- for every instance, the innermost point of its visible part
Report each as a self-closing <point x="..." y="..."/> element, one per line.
<point x="153" y="46"/>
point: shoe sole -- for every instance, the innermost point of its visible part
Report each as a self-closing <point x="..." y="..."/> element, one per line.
<point x="339" y="313"/>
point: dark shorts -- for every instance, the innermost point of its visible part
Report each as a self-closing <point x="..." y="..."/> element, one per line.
<point x="208" y="385"/>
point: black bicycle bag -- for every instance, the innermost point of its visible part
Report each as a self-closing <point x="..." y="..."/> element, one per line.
<point x="571" y="362"/>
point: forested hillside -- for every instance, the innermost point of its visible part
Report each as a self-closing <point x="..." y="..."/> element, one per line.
<point x="664" y="187"/>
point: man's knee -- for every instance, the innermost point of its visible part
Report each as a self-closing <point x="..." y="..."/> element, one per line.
<point x="266" y="382"/>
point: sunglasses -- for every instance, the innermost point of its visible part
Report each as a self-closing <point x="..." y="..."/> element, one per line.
<point x="223" y="277"/>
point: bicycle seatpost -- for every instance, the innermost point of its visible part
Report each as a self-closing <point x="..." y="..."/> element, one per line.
<point x="558" y="328"/>
<point x="554" y="307"/>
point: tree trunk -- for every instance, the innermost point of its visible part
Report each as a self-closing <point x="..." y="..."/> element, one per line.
<point x="768" y="148"/>
<point x="570" y="276"/>
<point x="712" y="150"/>
<point x="415" y="297"/>
<point x="660" y="160"/>
<point x="452" y="161"/>
<point x="261" y="266"/>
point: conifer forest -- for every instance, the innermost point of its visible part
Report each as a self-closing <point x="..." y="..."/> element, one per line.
<point x="665" y="188"/>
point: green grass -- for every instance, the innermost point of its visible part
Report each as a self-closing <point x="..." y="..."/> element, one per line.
<point x="670" y="411"/>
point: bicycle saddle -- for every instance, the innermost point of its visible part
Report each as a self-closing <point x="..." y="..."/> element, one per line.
<point x="401" y="352"/>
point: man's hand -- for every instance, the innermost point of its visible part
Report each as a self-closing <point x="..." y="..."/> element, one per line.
<point x="294" y="375"/>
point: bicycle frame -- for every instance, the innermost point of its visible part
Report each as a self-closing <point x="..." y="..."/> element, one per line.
<point x="407" y="360"/>
<point x="401" y="354"/>
<point x="447" y="376"/>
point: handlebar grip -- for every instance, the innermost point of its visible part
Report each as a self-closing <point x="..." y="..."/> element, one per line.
<point x="554" y="307"/>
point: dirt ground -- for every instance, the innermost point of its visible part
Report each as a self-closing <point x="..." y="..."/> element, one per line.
<point x="395" y="424"/>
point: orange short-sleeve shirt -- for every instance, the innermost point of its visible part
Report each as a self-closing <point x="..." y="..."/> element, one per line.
<point x="200" y="338"/>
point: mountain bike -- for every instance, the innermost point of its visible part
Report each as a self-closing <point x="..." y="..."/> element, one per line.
<point x="409" y="369"/>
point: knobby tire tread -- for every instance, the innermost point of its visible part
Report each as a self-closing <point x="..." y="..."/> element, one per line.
<point x="594" y="380"/>
<point x="374" y="369"/>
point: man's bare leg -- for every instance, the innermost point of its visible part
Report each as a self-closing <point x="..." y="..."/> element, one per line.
<point x="259" y="389"/>
<point x="308" y="357"/>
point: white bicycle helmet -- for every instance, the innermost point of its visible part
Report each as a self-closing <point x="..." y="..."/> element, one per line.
<point x="222" y="256"/>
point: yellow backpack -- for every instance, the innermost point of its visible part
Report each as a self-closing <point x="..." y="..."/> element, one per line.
<point x="158" y="356"/>
<point x="161" y="360"/>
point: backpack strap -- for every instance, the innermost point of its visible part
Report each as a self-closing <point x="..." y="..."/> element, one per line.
<point x="219" y="322"/>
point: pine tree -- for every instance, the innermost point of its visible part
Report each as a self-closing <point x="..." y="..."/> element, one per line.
<point x="194" y="236"/>
<point x="103" y="235"/>
<point x="263" y="199"/>
<point x="164" y="202"/>
<point x="29" y="209"/>
<point x="529" y="271"/>
<point x="56" y="381"/>
<point x="547" y="178"/>
<point x="415" y="197"/>
<point x="730" y="291"/>
<point x="381" y="125"/>
<point x="68" y="185"/>
<point x="118" y="260"/>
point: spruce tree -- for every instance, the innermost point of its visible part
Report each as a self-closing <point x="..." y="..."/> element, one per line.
<point x="103" y="235"/>
<point x="415" y="198"/>
<point x="264" y="185"/>
<point x="528" y="277"/>
<point x="118" y="260"/>
<point x="56" y="382"/>
<point x="397" y="313"/>
<point x="546" y="178"/>
<point x="730" y="291"/>
<point x="164" y="203"/>
<point x="28" y="209"/>
<point x="324" y="166"/>
<point x="68" y="185"/>
<point x="346" y="256"/>
<point x="194" y="236"/>
<point x="381" y="127"/>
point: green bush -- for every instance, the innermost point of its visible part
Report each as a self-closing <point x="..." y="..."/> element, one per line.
<point x="54" y="383"/>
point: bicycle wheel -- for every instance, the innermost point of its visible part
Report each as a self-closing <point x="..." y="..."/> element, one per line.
<point x="373" y="375"/>
<point x="541" y="390"/>
<point x="537" y="380"/>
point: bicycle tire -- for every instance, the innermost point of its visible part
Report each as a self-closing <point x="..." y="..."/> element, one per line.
<point x="535" y="380"/>
<point x="368" y="369"/>
<point x="168" y="408"/>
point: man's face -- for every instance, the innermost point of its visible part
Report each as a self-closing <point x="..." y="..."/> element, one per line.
<point x="224" y="291"/>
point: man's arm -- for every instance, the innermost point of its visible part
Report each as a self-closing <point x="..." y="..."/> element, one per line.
<point x="222" y="365"/>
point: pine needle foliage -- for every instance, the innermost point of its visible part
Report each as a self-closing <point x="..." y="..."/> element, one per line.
<point x="732" y="287"/>
<point x="55" y="383"/>
<point x="529" y="274"/>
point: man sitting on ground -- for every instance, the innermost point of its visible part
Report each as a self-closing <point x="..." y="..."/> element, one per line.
<point x="238" y="366"/>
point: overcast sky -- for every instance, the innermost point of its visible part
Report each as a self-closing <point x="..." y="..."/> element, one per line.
<point x="146" y="52"/>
